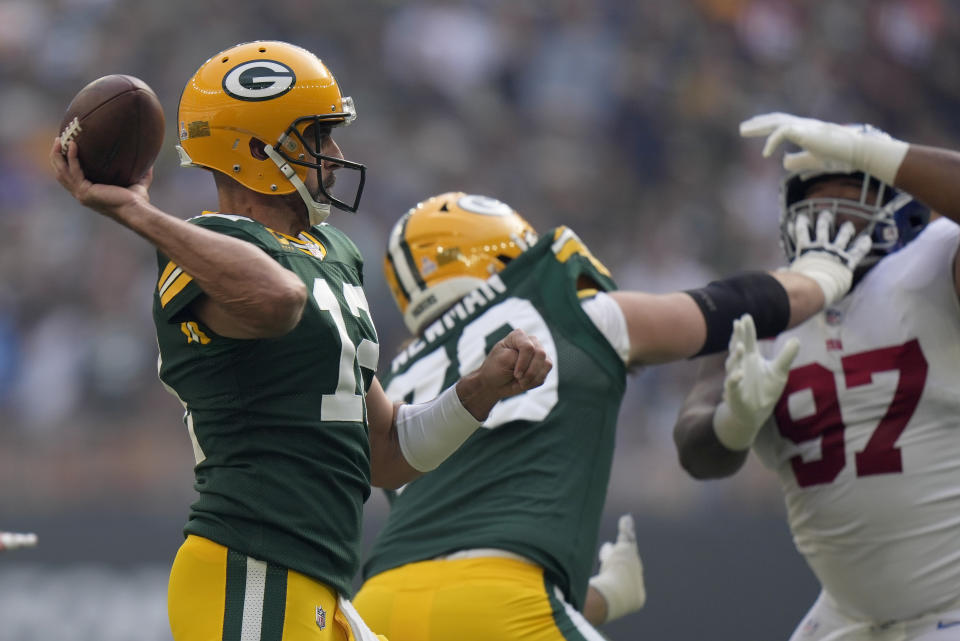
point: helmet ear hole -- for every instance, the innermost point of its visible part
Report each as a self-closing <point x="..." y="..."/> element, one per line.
<point x="258" y="149"/>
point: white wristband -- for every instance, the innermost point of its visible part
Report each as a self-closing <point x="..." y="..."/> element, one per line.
<point x="430" y="432"/>
<point x="731" y="433"/>
<point x="833" y="277"/>
<point x="620" y="579"/>
<point x="881" y="157"/>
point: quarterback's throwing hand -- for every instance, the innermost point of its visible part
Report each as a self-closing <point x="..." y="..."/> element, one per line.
<point x="620" y="579"/>
<point x="104" y="199"/>
<point x="751" y="387"/>
<point x="829" y="147"/>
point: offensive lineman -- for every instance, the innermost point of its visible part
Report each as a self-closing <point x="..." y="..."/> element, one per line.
<point x="266" y="337"/>
<point x="862" y="428"/>
<point x="498" y="542"/>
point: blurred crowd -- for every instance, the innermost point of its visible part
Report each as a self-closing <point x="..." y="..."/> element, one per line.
<point x="616" y="118"/>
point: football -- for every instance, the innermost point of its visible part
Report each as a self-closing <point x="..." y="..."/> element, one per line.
<point x="117" y="123"/>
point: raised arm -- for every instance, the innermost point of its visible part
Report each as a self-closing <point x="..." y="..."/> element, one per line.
<point x="247" y="293"/>
<point x="929" y="174"/>
<point x="932" y="176"/>
<point x="731" y="400"/>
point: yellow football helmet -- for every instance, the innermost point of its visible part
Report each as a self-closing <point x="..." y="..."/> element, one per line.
<point x="244" y="114"/>
<point x="447" y="246"/>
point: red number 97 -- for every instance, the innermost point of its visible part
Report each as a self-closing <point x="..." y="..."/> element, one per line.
<point x="880" y="456"/>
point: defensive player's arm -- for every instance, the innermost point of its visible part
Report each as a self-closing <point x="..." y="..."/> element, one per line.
<point x="700" y="451"/>
<point x="247" y="294"/>
<point x="929" y="174"/>
<point x="932" y="176"/>
<point x="729" y="405"/>
<point x="409" y="440"/>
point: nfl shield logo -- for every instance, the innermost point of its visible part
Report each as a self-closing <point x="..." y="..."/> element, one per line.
<point x="834" y="316"/>
<point x="321" y="618"/>
<point x="810" y="627"/>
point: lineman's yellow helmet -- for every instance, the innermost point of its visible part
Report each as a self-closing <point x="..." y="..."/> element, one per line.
<point x="245" y="111"/>
<point x="447" y="246"/>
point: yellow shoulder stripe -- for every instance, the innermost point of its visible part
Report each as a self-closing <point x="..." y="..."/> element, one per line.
<point x="174" y="288"/>
<point x="566" y="243"/>
<point x="165" y="274"/>
<point x="588" y="292"/>
<point x="312" y="239"/>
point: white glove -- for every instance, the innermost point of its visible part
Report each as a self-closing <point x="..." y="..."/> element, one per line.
<point x="620" y="579"/>
<point x="829" y="147"/>
<point x="829" y="262"/>
<point x="751" y="387"/>
<point x="14" y="540"/>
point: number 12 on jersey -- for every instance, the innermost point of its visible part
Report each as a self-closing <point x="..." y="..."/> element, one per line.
<point x="345" y="404"/>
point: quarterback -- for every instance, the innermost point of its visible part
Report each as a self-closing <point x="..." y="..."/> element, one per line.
<point x="858" y="409"/>
<point x="266" y="338"/>
<point x="498" y="541"/>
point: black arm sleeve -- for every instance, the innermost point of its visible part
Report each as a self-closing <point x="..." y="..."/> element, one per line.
<point x="723" y="301"/>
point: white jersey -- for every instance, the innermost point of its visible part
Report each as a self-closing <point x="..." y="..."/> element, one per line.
<point x="866" y="436"/>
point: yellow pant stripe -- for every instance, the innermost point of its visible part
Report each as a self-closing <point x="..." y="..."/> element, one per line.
<point x="216" y="594"/>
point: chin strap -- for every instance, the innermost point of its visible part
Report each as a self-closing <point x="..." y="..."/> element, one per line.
<point x="316" y="212"/>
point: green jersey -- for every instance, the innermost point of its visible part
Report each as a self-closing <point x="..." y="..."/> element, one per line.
<point x="278" y="425"/>
<point x="533" y="479"/>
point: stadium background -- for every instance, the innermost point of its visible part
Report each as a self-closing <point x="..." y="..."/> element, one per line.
<point x="616" y="118"/>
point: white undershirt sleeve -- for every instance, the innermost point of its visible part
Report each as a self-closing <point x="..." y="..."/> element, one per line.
<point x="430" y="432"/>
<point x="609" y="319"/>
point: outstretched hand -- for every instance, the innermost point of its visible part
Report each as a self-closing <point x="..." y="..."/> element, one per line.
<point x="829" y="260"/>
<point x="620" y="579"/>
<point x="104" y="199"/>
<point x="751" y="387"/>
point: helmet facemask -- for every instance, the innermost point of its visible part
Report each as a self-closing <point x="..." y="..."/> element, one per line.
<point x="295" y="138"/>
<point x="891" y="217"/>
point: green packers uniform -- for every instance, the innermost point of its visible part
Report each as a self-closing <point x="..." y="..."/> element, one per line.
<point x="278" y="425"/>
<point x="533" y="480"/>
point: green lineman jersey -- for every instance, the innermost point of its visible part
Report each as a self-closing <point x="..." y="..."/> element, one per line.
<point x="278" y="425"/>
<point x="533" y="480"/>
